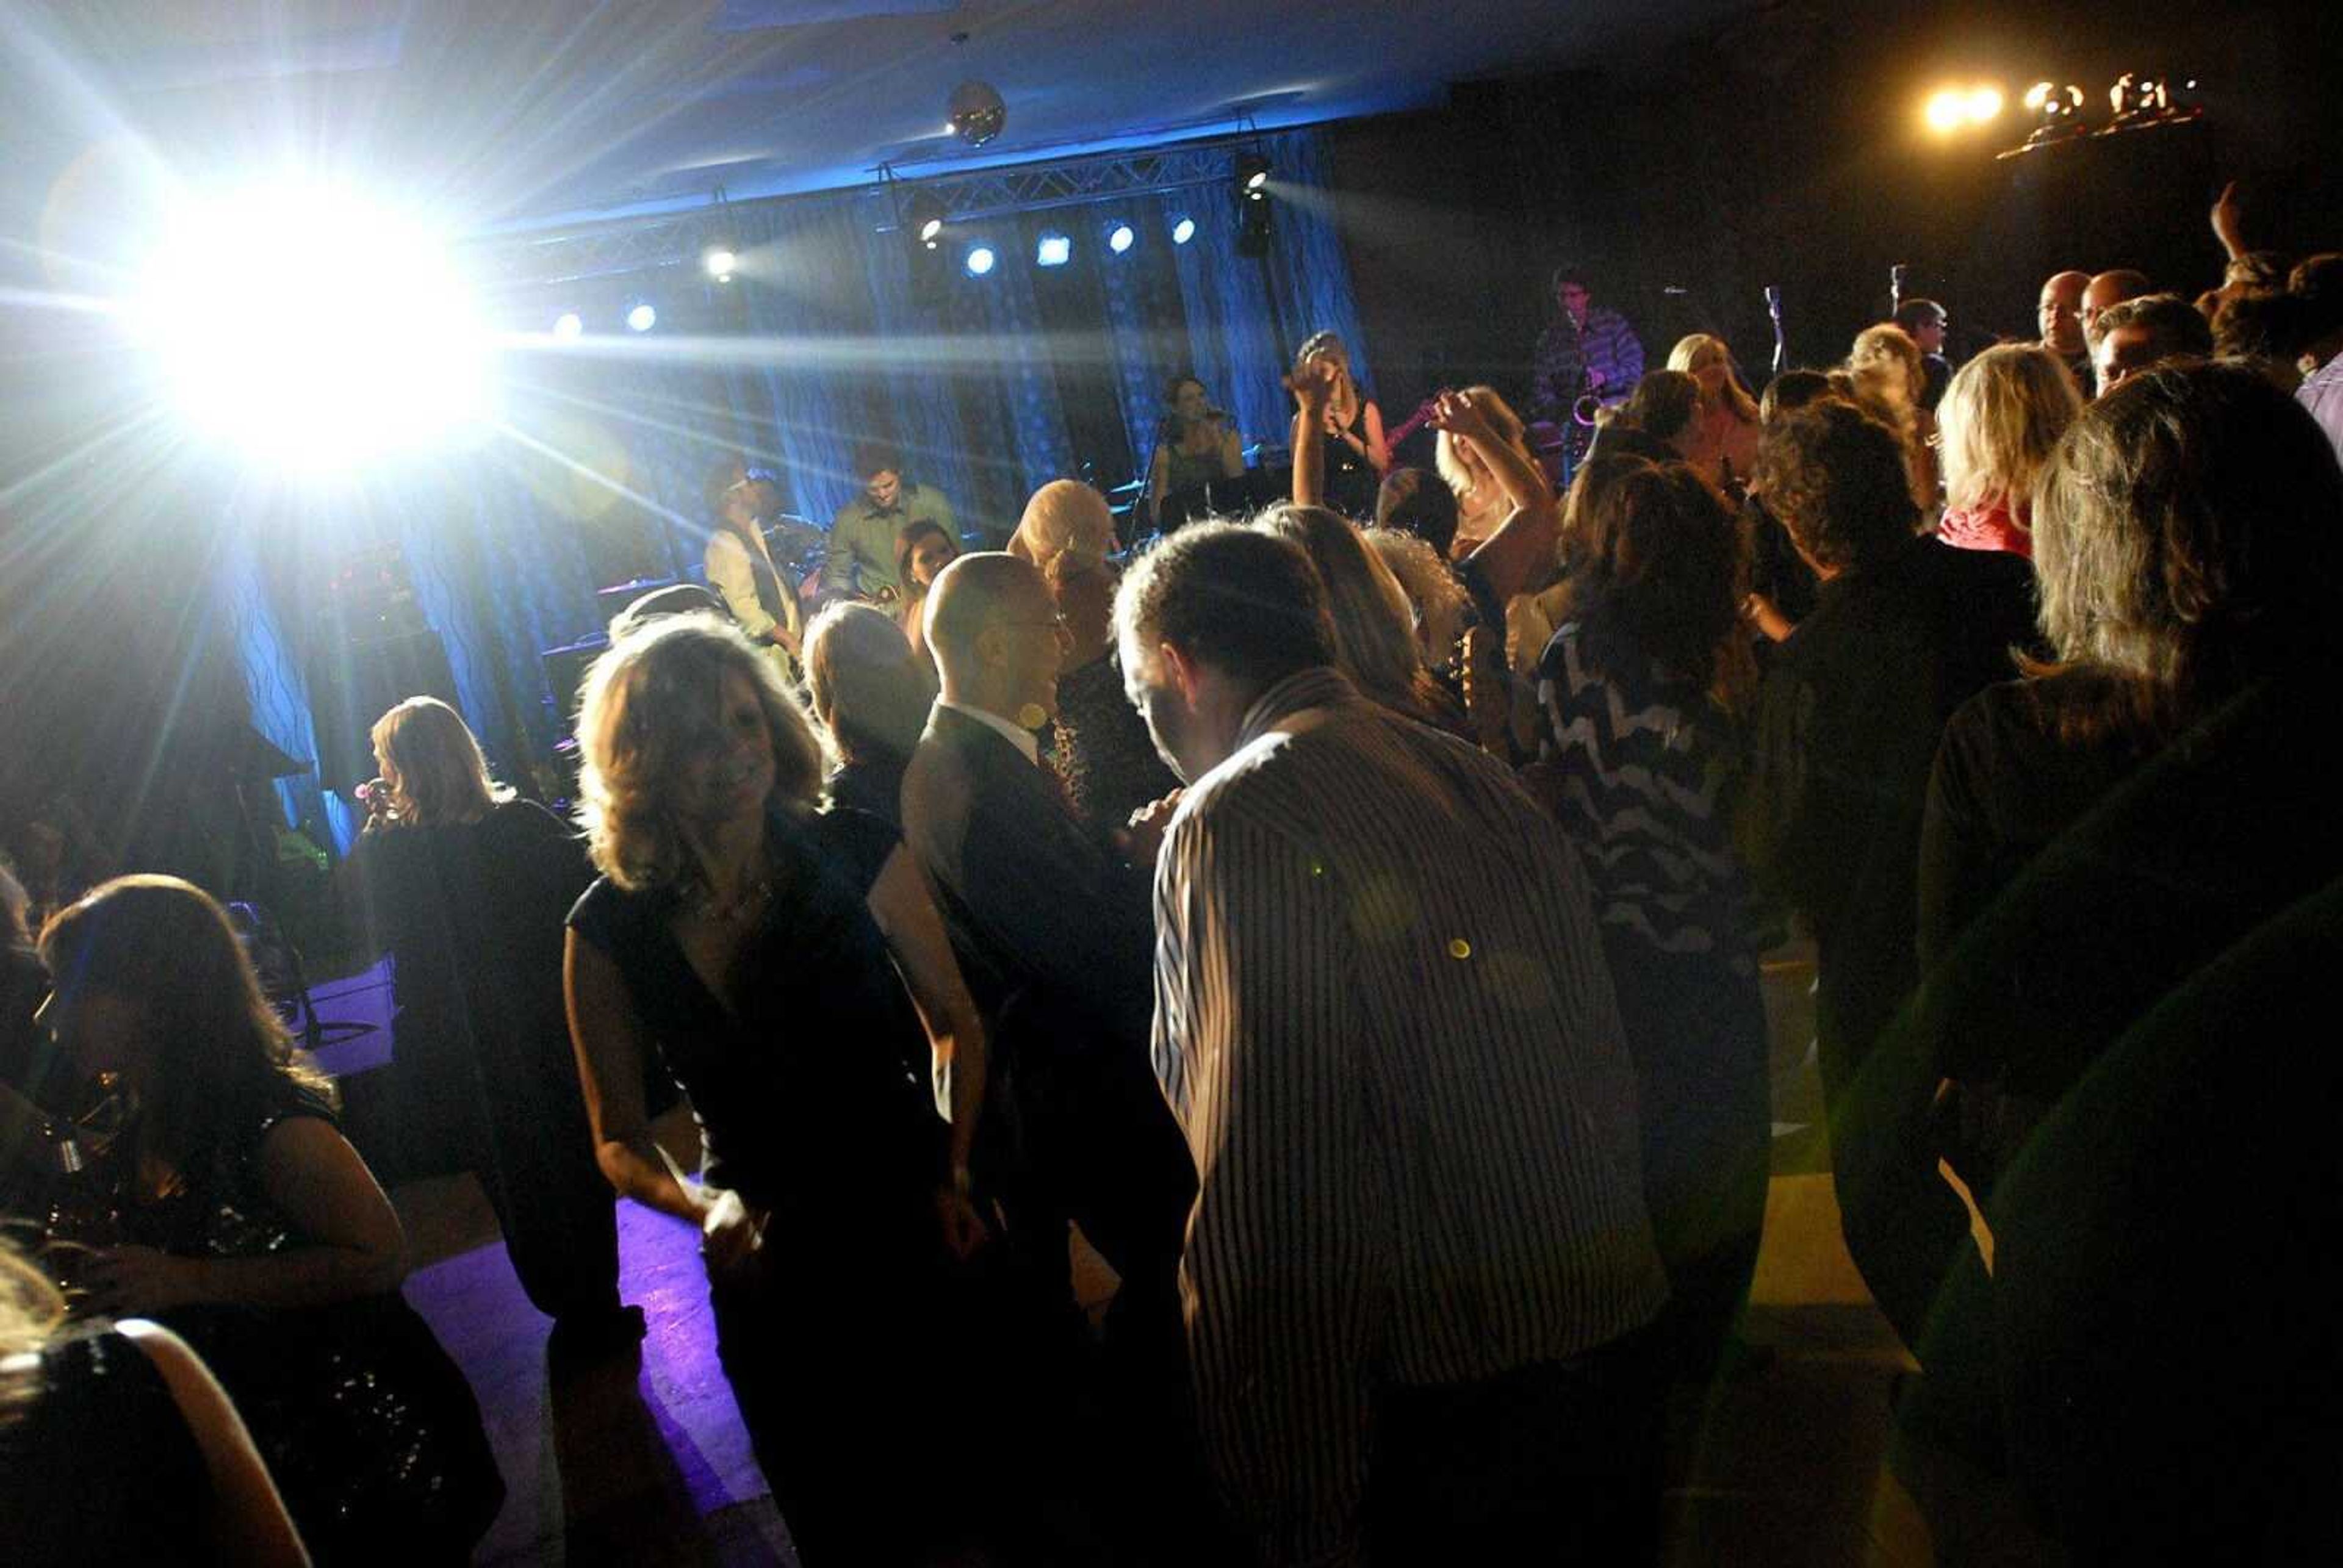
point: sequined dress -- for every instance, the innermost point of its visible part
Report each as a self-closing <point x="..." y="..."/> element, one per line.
<point x="369" y="1429"/>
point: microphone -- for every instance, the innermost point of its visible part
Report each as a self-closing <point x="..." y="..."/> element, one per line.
<point x="1895" y="276"/>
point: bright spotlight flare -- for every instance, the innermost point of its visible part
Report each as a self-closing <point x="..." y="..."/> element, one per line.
<point x="311" y="329"/>
<point x="722" y="261"/>
<point x="1950" y="109"/>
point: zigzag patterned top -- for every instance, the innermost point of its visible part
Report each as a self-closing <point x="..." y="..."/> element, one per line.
<point x="1636" y="765"/>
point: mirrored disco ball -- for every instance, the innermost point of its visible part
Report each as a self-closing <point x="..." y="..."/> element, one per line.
<point x="976" y="113"/>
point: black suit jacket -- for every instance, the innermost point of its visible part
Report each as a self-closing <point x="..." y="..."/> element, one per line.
<point x="1049" y="927"/>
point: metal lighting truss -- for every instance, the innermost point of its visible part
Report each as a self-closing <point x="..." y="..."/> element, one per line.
<point x="618" y="247"/>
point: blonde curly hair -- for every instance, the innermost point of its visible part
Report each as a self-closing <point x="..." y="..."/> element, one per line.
<point x="648" y="701"/>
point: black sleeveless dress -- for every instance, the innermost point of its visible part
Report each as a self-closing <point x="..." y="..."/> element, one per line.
<point x="97" y="1463"/>
<point x="812" y="1103"/>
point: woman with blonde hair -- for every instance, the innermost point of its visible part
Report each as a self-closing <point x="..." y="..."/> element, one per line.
<point x="1727" y="410"/>
<point x="468" y="888"/>
<point x="1351" y="430"/>
<point x="1064" y="517"/>
<point x="2001" y="415"/>
<point x="789" y="965"/>
<point x="1374" y="631"/>
<point x="1886" y="372"/>
<point x="1440" y="604"/>
<point x="1488" y="491"/>
<point x="246" y="1223"/>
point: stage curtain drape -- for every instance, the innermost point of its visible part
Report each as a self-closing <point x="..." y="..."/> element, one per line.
<point x="990" y="387"/>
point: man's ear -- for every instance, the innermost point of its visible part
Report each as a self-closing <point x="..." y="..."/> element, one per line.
<point x="1179" y="670"/>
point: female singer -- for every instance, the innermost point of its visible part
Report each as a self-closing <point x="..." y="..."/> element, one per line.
<point x="1356" y="456"/>
<point x="1198" y="445"/>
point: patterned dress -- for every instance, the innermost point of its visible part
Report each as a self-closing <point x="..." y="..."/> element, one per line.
<point x="1637" y="766"/>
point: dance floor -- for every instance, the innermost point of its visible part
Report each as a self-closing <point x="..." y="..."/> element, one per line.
<point x="1790" y="1461"/>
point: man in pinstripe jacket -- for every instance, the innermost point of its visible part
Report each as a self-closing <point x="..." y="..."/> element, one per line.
<point x="1419" y="1257"/>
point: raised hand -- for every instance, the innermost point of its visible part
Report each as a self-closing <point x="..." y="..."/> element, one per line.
<point x="1312" y="384"/>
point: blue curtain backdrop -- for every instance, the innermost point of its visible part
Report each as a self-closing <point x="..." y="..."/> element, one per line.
<point x="989" y="385"/>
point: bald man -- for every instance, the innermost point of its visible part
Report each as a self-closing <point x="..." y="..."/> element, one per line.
<point x="2111" y="288"/>
<point x="2059" y="312"/>
<point x="1058" y="942"/>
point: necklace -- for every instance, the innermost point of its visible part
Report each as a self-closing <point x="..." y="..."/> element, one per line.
<point x="747" y="902"/>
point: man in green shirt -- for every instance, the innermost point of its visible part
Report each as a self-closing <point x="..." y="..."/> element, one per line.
<point x="860" y="562"/>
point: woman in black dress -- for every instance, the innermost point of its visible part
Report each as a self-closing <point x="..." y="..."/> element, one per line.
<point x="469" y="889"/>
<point x="763" y="948"/>
<point x="251" y="1227"/>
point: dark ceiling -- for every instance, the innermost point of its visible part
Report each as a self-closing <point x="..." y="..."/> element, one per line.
<point x="506" y="111"/>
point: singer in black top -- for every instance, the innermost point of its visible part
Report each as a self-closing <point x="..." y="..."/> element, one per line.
<point x="1194" y="445"/>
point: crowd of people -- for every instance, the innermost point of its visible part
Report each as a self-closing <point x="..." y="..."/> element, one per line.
<point x="1348" y="917"/>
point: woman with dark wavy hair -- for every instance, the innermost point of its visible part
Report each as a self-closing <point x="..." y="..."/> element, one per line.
<point x="251" y="1226"/>
<point x="1640" y="692"/>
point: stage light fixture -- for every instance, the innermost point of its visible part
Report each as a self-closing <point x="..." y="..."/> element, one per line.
<point x="641" y="315"/>
<point x="569" y="324"/>
<point x="923" y="219"/>
<point x="2038" y="94"/>
<point x="1947" y="110"/>
<point x="979" y="260"/>
<point x="1054" y="250"/>
<point x="312" y="328"/>
<point x="1183" y="231"/>
<point x="1254" y="229"/>
<point x="1984" y="103"/>
<point x="722" y="261"/>
<point x="1252" y="174"/>
<point x="1120" y="238"/>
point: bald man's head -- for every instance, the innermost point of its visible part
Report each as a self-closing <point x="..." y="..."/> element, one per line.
<point x="2111" y="288"/>
<point x="2062" y="300"/>
<point x="996" y="635"/>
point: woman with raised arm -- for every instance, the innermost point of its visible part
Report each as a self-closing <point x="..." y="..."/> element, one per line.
<point x="1349" y="433"/>
<point x="789" y="966"/>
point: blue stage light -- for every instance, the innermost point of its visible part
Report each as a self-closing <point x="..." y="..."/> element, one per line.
<point x="642" y="317"/>
<point x="1183" y="231"/>
<point x="1120" y="240"/>
<point x="979" y="260"/>
<point x="1055" y="250"/>
<point x="569" y="324"/>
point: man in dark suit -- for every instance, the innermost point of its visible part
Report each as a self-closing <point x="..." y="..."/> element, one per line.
<point x="1058" y="943"/>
